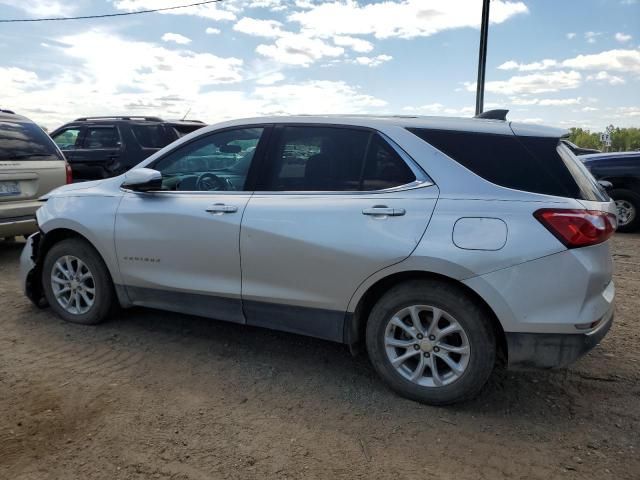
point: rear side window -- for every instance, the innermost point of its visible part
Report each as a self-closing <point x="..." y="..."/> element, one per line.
<point x="25" y="141"/>
<point x="150" y="136"/>
<point x="333" y="159"/>
<point x="97" y="138"/>
<point x="532" y="164"/>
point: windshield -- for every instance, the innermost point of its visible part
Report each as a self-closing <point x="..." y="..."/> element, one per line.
<point x="25" y="141"/>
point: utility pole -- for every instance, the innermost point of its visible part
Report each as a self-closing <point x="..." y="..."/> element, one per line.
<point x="482" y="57"/>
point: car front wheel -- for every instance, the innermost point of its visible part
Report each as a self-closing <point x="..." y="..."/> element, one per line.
<point x="76" y="282"/>
<point x="431" y="342"/>
<point x="628" y="209"/>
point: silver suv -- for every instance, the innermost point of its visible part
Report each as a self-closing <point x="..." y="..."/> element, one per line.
<point x="439" y="244"/>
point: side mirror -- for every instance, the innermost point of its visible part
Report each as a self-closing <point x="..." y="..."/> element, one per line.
<point x="607" y="185"/>
<point x="142" y="180"/>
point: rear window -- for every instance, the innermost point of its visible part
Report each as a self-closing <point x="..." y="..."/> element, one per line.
<point x="150" y="136"/>
<point x="532" y="164"/>
<point x="25" y="141"/>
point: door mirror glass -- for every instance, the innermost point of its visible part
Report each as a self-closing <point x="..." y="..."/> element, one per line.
<point x="142" y="180"/>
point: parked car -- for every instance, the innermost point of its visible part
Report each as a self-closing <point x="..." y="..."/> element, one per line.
<point x="30" y="166"/>
<point x="102" y="147"/>
<point x="578" y="150"/>
<point x="438" y="244"/>
<point x="622" y="170"/>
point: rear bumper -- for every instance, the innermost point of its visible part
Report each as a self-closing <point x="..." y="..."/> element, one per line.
<point x="23" y="225"/>
<point x="553" y="350"/>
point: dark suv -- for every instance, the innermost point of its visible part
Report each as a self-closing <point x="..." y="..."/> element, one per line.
<point x="102" y="147"/>
<point x="622" y="169"/>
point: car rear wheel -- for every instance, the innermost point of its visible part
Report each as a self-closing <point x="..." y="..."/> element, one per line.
<point x="431" y="342"/>
<point x="76" y="282"/>
<point x="628" y="209"/>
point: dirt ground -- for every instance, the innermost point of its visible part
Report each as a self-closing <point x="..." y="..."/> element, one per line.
<point x="158" y="395"/>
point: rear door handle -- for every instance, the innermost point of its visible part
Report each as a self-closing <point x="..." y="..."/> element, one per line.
<point x="383" y="211"/>
<point x="220" y="208"/>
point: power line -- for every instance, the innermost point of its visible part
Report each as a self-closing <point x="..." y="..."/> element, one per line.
<point x="106" y="15"/>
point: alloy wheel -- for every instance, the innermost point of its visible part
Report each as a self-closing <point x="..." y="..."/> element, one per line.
<point x="427" y="346"/>
<point x="626" y="212"/>
<point x="73" y="285"/>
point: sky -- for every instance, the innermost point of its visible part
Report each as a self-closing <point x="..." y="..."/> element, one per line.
<point x="567" y="63"/>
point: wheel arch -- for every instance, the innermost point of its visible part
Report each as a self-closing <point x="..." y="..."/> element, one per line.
<point x="56" y="235"/>
<point x="355" y="326"/>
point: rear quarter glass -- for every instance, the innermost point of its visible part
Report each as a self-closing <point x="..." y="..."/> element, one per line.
<point x="531" y="164"/>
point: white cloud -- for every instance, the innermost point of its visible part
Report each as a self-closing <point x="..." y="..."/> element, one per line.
<point x="212" y="31"/>
<point x="628" y="111"/>
<point x="603" y="76"/>
<point x="440" y="109"/>
<point x="42" y="8"/>
<point x="296" y="49"/>
<point x="591" y="37"/>
<point x="611" y="60"/>
<point x="571" y="35"/>
<point x="405" y="19"/>
<point x="270" y="78"/>
<point x="259" y="28"/>
<point x="373" y="61"/>
<point x="532" y="84"/>
<point x="546" y="102"/>
<point x="622" y="37"/>
<point x="535" y="120"/>
<point x="528" y="67"/>
<point x="176" y="37"/>
<point x="589" y="109"/>
<point x="214" y="11"/>
<point x="316" y="97"/>
<point x="356" y="44"/>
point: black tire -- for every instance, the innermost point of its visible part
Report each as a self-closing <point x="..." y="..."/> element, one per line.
<point x="634" y="199"/>
<point x="471" y="317"/>
<point x="103" y="302"/>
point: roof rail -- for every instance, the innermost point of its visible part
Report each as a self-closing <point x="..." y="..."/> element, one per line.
<point x="498" y="114"/>
<point x="7" y="111"/>
<point x="180" y="120"/>
<point x="119" y="117"/>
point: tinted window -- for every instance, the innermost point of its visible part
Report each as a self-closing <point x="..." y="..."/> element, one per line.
<point x="67" y="138"/>
<point x="532" y="164"/>
<point x="24" y="141"/>
<point x="216" y="162"/>
<point x="101" y="137"/>
<point x="317" y="158"/>
<point x="384" y="168"/>
<point x="150" y="136"/>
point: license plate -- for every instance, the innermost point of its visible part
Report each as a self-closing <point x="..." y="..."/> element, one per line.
<point x="9" y="188"/>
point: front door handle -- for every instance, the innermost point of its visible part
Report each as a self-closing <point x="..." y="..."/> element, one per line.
<point x="220" y="208"/>
<point x="383" y="211"/>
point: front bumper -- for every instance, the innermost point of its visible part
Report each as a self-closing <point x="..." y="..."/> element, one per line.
<point x="553" y="350"/>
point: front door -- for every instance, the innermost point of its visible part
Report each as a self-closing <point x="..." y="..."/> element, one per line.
<point x="178" y="248"/>
<point x="335" y="206"/>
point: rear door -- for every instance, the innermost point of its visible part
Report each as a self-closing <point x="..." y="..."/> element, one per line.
<point x="333" y="206"/>
<point x="99" y="152"/>
<point x="30" y="166"/>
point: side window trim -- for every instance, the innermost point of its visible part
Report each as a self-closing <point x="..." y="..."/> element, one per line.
<point x="422" y="179"/>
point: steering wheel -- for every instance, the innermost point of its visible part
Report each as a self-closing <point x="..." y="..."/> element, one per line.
<point x="209" y="182"/>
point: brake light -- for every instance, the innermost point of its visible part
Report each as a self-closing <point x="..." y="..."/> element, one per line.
<point x="69" y="172"/>
<point x="578" y="228"/>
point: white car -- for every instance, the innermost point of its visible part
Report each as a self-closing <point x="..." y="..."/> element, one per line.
<point x="435" y="242"/>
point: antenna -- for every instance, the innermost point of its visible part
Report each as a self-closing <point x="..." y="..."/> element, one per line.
<point x="185" y="115"/>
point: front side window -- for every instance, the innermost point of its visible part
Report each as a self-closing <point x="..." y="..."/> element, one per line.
<point x="318" y="158"/>
<point x="98" y="138"/>
<point x="67" y="139"/>
<point x="216" y="162"/>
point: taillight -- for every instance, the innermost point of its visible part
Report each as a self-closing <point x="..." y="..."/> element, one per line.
<point x="68" y="171"/>
<point x="578" y="228"/>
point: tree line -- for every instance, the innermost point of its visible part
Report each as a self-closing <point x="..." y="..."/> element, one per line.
<point x="622" y="139"/>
